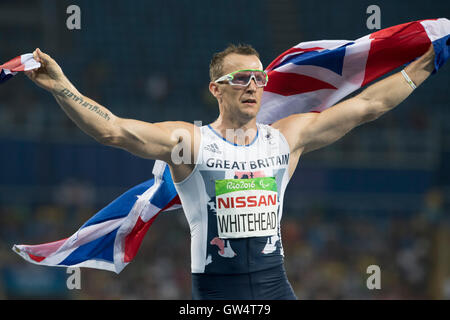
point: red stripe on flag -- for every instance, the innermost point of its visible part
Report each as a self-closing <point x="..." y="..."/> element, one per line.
<point x="18" y="68"/>
<point x="393" y="47"/>
<point x="134" y="239"/>
<point x="288" y="84"/>
<point x="175" y="200"/>
<point x="13" y="63"/>
<point x="35" y="258"/>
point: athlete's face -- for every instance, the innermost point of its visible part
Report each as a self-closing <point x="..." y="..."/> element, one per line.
<point x="238" y="101"/>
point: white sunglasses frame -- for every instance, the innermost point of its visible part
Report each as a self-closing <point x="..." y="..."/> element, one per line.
<point x="228" y="77"/>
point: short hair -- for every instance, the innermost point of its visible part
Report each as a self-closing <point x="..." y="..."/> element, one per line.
<point x="216" y="65"/>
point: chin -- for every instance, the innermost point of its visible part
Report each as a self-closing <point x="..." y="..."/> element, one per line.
<point x="249" y="114"/>
<point x="250" y="111"/>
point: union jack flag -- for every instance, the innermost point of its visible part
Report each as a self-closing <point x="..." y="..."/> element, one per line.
<point x="315" y="75"/>
<point x="309" y="77"/>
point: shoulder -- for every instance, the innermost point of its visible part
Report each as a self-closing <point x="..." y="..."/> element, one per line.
<point x="177" y="125"/>
<point x="266" y="131"/>
<point x="185" y="153"/>
<point x="293" y="127"/>
<point x="295" y="120"/>
<point x="181" y="131"/>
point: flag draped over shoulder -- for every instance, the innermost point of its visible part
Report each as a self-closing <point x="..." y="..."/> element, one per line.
<point x="311" y="76"/>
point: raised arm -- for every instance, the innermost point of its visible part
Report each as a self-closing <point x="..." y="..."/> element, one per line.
<point x="307" y="132"/>
<point x="147" y="140"/>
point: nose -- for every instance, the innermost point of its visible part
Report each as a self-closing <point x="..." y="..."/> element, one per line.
<point x="252" y="85"/>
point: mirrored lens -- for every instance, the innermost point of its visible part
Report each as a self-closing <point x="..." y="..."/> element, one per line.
<point x="242" y="78"/>
<point x="260" y="78"/>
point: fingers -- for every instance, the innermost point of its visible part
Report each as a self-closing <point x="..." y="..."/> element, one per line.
<point x="430" y="52"/>
<point x="41" y="57"/>
<point x="36" y="56"/>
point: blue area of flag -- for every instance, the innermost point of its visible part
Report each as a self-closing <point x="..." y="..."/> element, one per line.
<point x="329" y="59"/>
<point x="4" y="77"/>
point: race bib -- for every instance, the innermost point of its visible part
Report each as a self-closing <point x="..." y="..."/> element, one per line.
<point x="247" y="207"/>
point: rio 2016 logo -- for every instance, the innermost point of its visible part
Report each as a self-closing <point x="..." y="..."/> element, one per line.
<point x="263" y="185"/>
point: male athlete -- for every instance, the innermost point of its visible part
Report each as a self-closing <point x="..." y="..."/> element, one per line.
<point x="232" y="183"/>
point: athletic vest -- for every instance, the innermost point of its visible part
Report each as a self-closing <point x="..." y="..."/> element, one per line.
<point x="233" y="202"/>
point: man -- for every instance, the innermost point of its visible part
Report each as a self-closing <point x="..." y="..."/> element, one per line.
<point x="232" y="183"/>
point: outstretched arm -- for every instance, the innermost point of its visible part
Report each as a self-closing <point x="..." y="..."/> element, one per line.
<point x="147" y="140"/>
<point x="307" y="132"/>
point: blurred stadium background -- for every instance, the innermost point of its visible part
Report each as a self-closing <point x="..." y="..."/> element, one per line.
<point x="380" y="195"/>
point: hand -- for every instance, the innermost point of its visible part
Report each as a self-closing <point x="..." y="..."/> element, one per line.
<point x="429" y="54"/>
<point x="428" y="59"/>
<point x="49" y="74"/>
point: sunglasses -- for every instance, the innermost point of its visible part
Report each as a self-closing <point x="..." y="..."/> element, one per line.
<point x="243" y="77"/>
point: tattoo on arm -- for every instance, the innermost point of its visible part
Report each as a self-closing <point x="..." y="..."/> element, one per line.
<point x="67" y="93"/>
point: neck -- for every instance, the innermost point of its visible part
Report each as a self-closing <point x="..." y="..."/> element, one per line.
<point x="237" y="131"/>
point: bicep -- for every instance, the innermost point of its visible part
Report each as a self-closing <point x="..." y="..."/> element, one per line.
<point x="147" y="140"/>
<point x="333" y="123"/>
<point x="311" y="131"/>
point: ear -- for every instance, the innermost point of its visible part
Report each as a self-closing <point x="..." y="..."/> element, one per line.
<point x="214" y="88"/>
